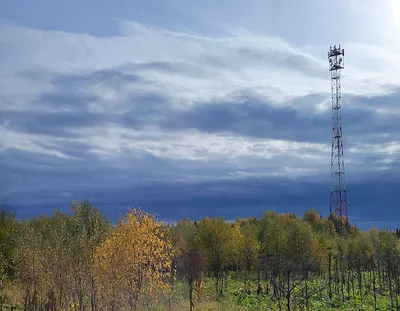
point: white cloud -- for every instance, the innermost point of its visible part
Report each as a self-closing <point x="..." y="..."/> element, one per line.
<point x="226" y="63"/>
<point x="28" y="143"/>
<point x="194" y="145"/>
<point x="204" y="69"/>
<point x="219" y="65"/>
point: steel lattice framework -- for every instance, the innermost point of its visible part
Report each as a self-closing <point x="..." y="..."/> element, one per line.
<point x="338" y="193"/>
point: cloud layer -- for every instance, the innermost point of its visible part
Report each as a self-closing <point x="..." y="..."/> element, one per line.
<point x="187" y="124"/>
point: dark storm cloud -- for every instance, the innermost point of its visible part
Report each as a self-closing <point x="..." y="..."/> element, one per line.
<point x="73" y="114"/>
<point x="252" y="117"/>
<point x="171" y="200"/>
<point x="68" y="107"/>
<point x="51" y="123"/>
<point x="388" y="100"/>
<point x="249" y="117"/>
<point x="28" y="176"/>
<point x="64" y="99"/>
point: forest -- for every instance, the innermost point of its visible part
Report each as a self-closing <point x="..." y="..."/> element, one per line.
<point x="80" y="261"/>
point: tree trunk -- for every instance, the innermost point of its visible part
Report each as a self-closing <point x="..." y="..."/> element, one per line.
<point x="360" y="284"/>
<point x="198" y="287"/>
<point x="353" y="287"/>
<point x="60" y="292"/>
<point x="191" y="296"/>
<point x="288" y="292"/>
<point x="92" y="295"/>
<point x="172" y="285"/>
<point x="374" y="286"/>
<point x="330" y="275"/>
<point x="279" y="304"/>
<point x="222" y="285"/>
<point x="80" y="294"/>
<point x="26" y="300"/>
<point x="216" y="283"/>
<point x="342" y="280"/>
<point x="307" y="298"/>
<point x="337" y="279"/>
<point x="348" y="284"/>
<point x="258" y="281"/>
<point x="397" y="291"/>
<point x="390" y="289"/>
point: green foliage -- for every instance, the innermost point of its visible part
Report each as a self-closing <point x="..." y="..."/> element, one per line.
<point x="8" y="243"/>
<point x="277" y="262"/>
<point x="8" y="228"/>
<point x="54" y="257"/>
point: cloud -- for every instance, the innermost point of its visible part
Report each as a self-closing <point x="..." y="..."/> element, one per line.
<point x="185" y="122"/>
<point x="228" y="198"/>
<point x="203" y="66"/>
<point x="241" y="125"/>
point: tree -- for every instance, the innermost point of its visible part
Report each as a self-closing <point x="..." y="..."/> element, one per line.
<point x="192" y="266"/>
<point x="32" y="262"/>
<point x="248" y="246"/>
<point x="342" y="226"/>
<point x="217" y="240"/>
<point x="8" y="240"/>
<point x="388" y="250"/>
<point x="133" y="261"/>
<point x="190" y="260"/>
<point x="291" y="253"/>
<point x="312" y="217"/>
<point x="87" y="230"/>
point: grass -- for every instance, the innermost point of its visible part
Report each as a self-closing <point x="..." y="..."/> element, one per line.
<point x="236" y="299"/>
<point x="239" y="300"/>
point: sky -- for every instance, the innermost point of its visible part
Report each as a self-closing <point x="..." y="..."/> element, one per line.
<point x="198" y="108"/>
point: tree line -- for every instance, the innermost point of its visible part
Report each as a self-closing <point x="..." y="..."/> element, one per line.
<point x="81" y="261"/>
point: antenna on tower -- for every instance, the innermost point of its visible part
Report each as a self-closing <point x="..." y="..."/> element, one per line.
<point x="338" y="193"/>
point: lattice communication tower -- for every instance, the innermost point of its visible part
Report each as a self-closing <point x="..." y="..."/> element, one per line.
<point x="338" y="193"/>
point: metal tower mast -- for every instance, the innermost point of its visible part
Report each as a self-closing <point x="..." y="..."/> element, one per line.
<point x="338" y="194"/>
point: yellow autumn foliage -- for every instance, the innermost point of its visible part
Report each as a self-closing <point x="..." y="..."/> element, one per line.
<point x="134" y="262"/>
